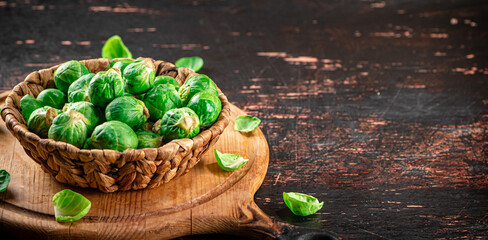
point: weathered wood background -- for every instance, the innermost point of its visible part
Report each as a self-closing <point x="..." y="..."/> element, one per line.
<point x="378" y="108"/>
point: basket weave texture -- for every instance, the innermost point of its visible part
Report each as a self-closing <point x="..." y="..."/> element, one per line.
<point x="105" y="169"/>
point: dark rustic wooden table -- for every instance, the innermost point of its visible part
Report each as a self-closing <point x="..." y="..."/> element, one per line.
<point x="378" y="108"/>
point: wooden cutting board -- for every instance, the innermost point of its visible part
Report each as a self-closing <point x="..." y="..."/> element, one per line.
<point x="206" y="200"/>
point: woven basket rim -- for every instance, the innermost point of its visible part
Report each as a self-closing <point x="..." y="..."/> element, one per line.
<point x="223" y="117"/>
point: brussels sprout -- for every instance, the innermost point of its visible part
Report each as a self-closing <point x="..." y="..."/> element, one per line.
<point x="87" y="144"/>
<point x="160" y="99"/>
<point x="139" y="76"/>
<point x="28" y="104"/>
<point x="41" y="119"/>
<point x="194" y="85"/>
<point x="105" y="87"/>
<point x="78" y="90"/>
<point x="148" y="139"/>
<point x="166" y="80"/>
<point x="92" y="114"/>
<point x="52" y="97"/>
<point x="115" y="48"/>
<point x="114" y="135"/>
<point x="122" y="64"/>
<point x="179" y="123"/>
<point x="207" y="106"/>
<point x="67" y="73"/>
<point x="69" y="127"/>
<point x="128" y="110"/>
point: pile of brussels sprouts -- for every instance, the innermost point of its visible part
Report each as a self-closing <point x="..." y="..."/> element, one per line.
<point x="127" y="106"/>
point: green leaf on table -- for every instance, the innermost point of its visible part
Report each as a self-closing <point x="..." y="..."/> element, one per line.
<point x="4" y="180"/>
<point x="302" y="204"/>
<point x="115" y="48"/>
<point x="246" y="123"/>
<point x="192" y="63"/>
<point x="70" y="206"/>
<point x="229" y="162"/>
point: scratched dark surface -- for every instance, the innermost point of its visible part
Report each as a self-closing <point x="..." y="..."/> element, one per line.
<point x="378" y="108"/>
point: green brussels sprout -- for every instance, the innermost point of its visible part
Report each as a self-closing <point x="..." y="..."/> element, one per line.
<point x="105" y="87"/>
<point x="69" y="127"/>
<point x="67" y="73"/>
<point x="52" y="97"/>
<point x="128" y="110"/>
<point x="122" y="64"/>
<point x="179" y="123"/>
<point x="92" y="114"/>
<point x="207" y="106"/>
<point x="28" y="104"/>
<point x="166" y="80"/>
<point x="194" y="85"/>
<point x="41" y="119"/>
<point x="160" y="99"/>
<point x="139" y="76"/>
<point x="114" y="135"/>
<point x="148" y="139"/>
<point x="78" y="90"/>
<point x="87" y="144"/>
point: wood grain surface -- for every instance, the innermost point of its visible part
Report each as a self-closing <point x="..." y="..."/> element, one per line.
<point x="206" y="200"/>
<point x="378" y="108"/>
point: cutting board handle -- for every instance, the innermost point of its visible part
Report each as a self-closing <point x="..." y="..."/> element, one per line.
<point x="258" y="225"/>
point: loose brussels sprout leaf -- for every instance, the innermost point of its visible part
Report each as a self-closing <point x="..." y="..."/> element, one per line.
<point x="302" y="204"/>
<point x="207" y="106"/>
<point x="128" y="110"/>
<point x="166" y="80"/>
<point x="121" y="64"/>
<point x="52" y="97"/>
<point x="246" y="123"/>
<point x="41" y="119"/>
<point x="4" y="180"/>
<point x="194" y="85"/>
<point x="114" y="135"/>
<point x="115" y="48"/>
<point x="179" y="123"/>
<point x="67" y="73"/>
<point x="139" y="76"/>
<point x="105" y="87"/>
<point x="69" y="127"/>
<point x="160" y="99"/>
<point x="70" y="206"/>
<point x="92" y="114"/>
<point x="229" y="162"/>
<point x="78" y="90"/>
<point x="28" y="104"/>
<point x="148" y="139"/>
<point x="192" y="63"/>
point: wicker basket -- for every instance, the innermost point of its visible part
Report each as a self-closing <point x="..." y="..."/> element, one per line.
<point x="105" y="169"/>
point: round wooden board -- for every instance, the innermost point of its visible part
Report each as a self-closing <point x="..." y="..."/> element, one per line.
<point x="206" y="200"/>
